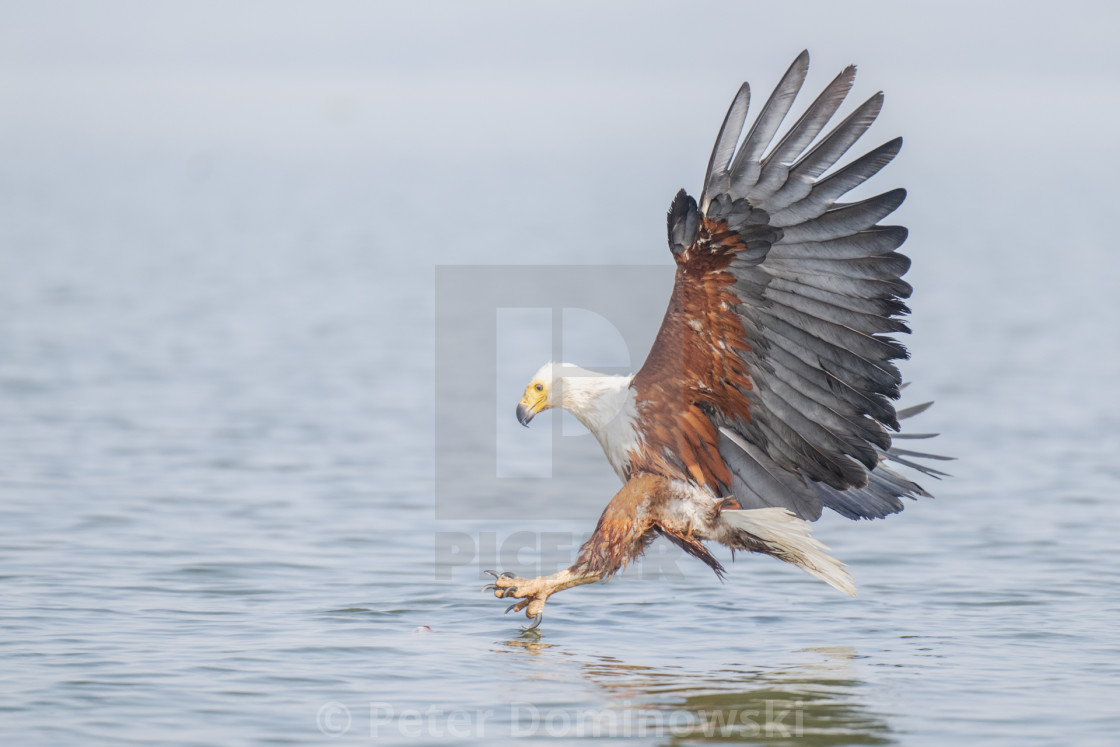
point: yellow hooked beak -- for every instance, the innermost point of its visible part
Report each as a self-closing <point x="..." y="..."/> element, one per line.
<point x="533" y="401"/>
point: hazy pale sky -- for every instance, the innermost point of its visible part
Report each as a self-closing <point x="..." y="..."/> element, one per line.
<point x="1009" y="110"/>
<point x="1031" y="73"/>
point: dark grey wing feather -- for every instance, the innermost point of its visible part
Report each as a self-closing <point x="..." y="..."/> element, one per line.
<point x="761" y="483"/>
<point x="825" y="154"/>
<point x="726" y="141"/>
<point x="775" y="167"/>
<point x="818" y="301"/>
<point x="842" y="222"/>
<point x="747" y="164"/>
<point x="823" y="194"/>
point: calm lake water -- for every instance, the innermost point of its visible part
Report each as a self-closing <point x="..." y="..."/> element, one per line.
<point x="219" y="514"/>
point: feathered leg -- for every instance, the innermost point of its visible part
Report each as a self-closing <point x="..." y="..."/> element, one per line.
<point x="624" y="530"/>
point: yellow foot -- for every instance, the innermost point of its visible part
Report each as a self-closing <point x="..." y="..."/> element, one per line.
<point x="533" y="592"/>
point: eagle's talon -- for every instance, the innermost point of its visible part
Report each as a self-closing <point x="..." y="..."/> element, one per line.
<point x="531" y="594"/>
<point x="492" y="573"/>
<point x="490" y="587"/>
<point x="507" y="574"/>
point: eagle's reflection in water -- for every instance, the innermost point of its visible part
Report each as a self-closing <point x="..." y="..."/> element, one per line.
<point x="818" y="700"/>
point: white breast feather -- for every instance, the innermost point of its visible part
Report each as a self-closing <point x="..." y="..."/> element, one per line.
<point x="606" y="406"/>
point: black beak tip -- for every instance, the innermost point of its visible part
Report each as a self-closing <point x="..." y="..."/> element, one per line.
<point x="524" y="415"/>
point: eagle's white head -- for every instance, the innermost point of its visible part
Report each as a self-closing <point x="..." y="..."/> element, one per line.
<point x="604" y="403"/>
<point x="594" y="398"/>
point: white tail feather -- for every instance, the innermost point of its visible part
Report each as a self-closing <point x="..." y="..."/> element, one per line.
<point x="789" y="538"/>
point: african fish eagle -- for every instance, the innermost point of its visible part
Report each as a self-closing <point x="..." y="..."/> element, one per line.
<point x="768" y="392"/>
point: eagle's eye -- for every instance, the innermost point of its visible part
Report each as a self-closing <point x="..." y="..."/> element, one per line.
<point x="539" y="387"/>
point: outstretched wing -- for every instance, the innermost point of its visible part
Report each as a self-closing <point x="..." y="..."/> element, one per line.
<point x="771" y="378"/>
